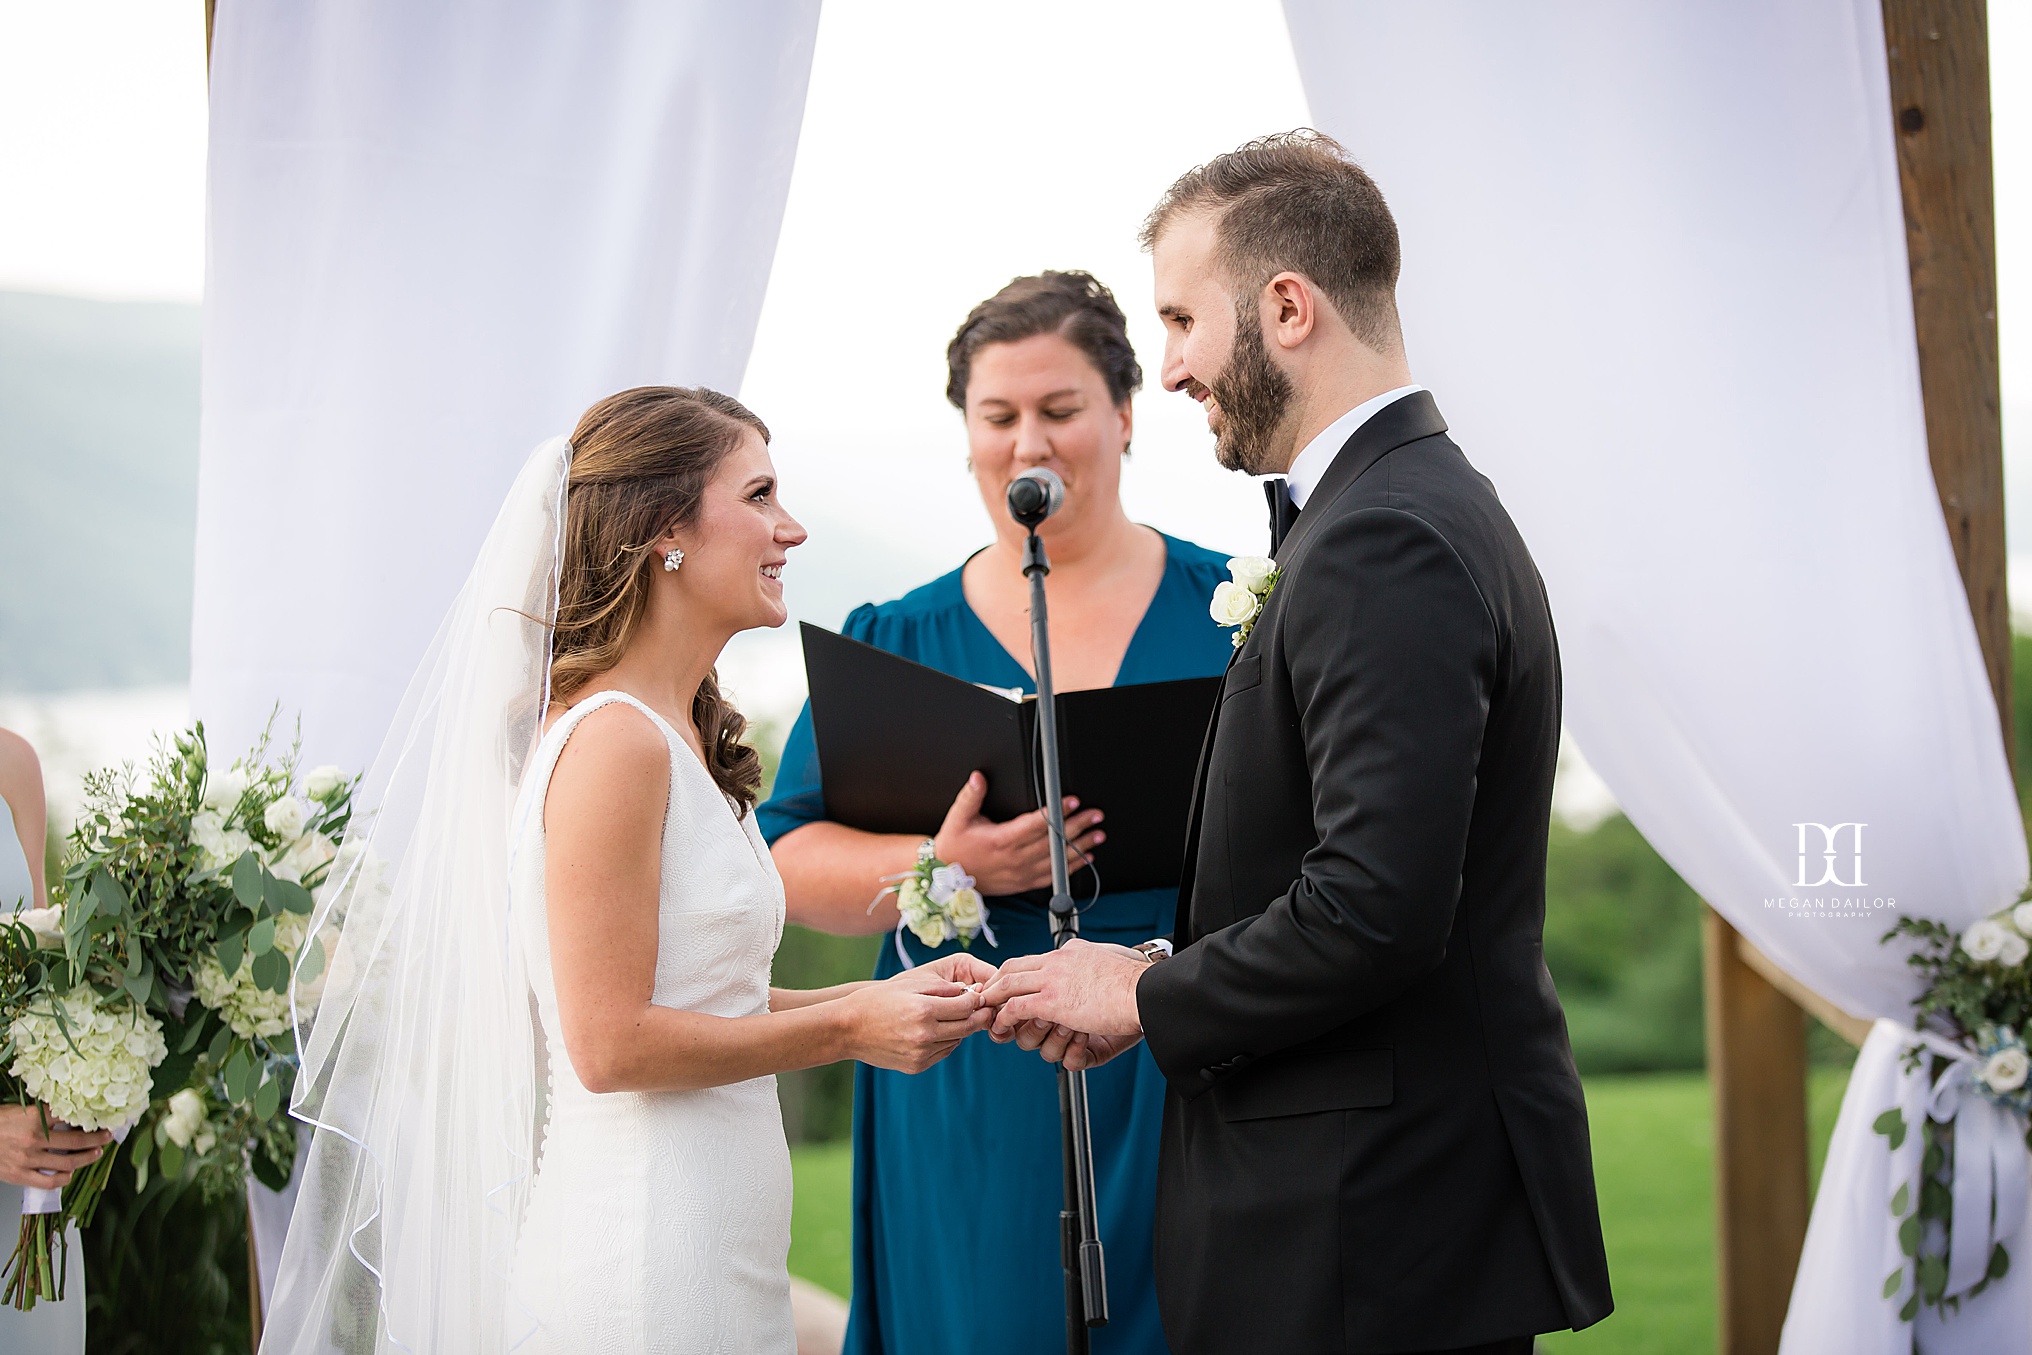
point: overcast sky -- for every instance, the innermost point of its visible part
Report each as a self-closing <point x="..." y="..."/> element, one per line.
<point x="1052" y="126"/>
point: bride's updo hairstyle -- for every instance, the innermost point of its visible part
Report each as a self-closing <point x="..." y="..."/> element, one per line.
<point x="640" y="464"/>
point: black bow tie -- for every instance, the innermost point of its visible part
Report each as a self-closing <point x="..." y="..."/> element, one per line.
<point x="1283" y="512"/>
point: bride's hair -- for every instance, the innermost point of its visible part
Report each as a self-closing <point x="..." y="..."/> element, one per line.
<point x="640" y="464"/>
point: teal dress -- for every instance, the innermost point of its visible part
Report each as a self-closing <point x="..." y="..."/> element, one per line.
<point x="956" y="1170"/>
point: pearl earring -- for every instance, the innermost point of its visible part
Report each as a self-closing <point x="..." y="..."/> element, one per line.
<point x="672" y="559"/>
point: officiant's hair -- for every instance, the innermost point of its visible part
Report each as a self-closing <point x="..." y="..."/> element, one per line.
<point x="1073" y="305"/>
<point x="1296" y="202"/>
<point x="641" y="461"/>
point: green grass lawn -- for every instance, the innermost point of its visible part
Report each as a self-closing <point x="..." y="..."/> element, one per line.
<point x="1653" y="1168"/>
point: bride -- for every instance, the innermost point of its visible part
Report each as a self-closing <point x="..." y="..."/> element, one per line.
<point x="541" y="1065"/>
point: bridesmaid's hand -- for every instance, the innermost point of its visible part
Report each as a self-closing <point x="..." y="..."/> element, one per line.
<point x="961" y="968"/>
<point x="44" y="1159"/>
<point x="1009" y="858"/>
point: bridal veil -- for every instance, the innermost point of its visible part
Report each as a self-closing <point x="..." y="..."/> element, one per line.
<point x="419" y="1065"/>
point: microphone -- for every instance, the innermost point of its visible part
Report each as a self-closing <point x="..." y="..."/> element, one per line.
<point x="1034" y="496"/>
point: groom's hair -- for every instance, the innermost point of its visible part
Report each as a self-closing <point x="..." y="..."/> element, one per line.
<point x="1295" y="202"/>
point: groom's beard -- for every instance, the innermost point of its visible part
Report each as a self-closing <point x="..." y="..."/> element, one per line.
<point x="1254" y="396"/>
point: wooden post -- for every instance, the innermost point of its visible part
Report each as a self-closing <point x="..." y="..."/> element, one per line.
<point x="1937" y="53"/>
<point x="1756" y="1062"/>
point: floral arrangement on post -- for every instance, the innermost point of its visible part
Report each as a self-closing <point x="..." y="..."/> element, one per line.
<point x="1238" y="600"/>
<point x="937" y="902"/>
<point x="152" y="996"/>
<point x="1971" y="1020"/>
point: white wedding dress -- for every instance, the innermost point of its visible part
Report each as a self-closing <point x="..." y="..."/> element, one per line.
<point x="659" y="1221"/>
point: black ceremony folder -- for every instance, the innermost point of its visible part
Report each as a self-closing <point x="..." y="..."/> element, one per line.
<point x="896" y="741"/>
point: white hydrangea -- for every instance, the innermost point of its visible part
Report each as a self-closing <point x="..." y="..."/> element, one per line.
<point x="218" y="846"/>
<point x="251" y="1010"/>
<point x="92" y="1069"/>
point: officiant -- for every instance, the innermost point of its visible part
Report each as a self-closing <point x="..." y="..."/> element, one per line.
<point x="1043" y="372"/>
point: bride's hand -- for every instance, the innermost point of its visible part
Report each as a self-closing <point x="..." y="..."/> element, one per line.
<point x="912" y="1020"/>
<point x="958" y="967"/>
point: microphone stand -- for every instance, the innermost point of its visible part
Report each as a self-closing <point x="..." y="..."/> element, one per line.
<point x="1086" y="1277"/>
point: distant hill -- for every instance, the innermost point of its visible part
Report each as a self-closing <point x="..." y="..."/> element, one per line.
<point x="98" y="503"/>
<point x="98" y="491"/>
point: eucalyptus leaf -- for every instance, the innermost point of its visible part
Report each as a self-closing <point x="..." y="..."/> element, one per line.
<point x="1936" y="1201"/>
<point x="240" y="1069"/>
<point x="139" y="987"/>
<point x="267" y="1099"/>
<point x="286" y="896"/>
<point x="231" y="948"/>
<point x="112" y="900"/>
<point x="1934" y="1159"/>
<point x="271" y="972"/>
<point x="247" y="881"/>
<point x="1933" y="1277"/>
<point x="2000" y="1262"/>
<point x="261" y="937"/>
<point x="172" y="1161"/>
<point x="310" y="962"/>
<point x="221" y="1042"/>
<point x="1901" y="1200"/>
<point x="1911" y="1308"/>
<point x="193" y="1032"/>
<point x="1908" y="1235"/>
<point x="1893" y="1280"/>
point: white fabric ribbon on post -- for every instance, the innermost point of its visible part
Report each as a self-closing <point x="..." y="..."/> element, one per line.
<point x="1854" y="1233"/>
<point x="1992" y="1174"/>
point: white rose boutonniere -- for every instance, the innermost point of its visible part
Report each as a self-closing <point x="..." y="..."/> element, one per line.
<point x="1239" y="600"/>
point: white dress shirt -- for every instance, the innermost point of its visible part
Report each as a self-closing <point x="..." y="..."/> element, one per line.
<point x="1308" y="468"/>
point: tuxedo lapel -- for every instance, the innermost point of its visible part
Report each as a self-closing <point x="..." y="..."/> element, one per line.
<point x="1415" y="416"/>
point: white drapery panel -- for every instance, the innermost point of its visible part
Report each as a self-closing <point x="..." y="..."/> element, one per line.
<point x="436" y="234"/>
<point x="1655" y="274"/>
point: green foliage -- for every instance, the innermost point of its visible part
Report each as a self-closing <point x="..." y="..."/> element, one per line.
<point x="818" y="1103"/>
<point x="1967" y="994"/>
<point x="166" y="1270"/>
<point x="1622" y="939"/>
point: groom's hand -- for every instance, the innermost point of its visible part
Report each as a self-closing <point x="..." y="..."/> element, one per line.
<point x="1082" y="986"/>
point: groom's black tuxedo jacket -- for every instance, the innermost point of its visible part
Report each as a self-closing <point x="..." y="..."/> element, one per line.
<point x="1375" y="1139"/>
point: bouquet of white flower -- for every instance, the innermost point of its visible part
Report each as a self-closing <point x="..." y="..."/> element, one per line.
<point x="152" y="995"/>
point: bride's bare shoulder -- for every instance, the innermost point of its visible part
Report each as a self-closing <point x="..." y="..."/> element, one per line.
<point x="615" y="753"/>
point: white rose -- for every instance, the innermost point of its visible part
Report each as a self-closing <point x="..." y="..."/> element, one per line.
<point x="186" y="1116"/>
<point x="1233" y="604"/>
<point x="223" y="789"/>
<point x="46" y="923"/>
<point x="1984" y="941"/>
<point x="910" y="900"/>
<point x="2006" y="1069"/>
<point x="930" y="929"/>
<point x="2021" y="918"/>
<point x="322" y="781"/>
<point x="1252" y="571"/>
<point x="2016" y="948"/>
<point x="965" y="910"/>
<point x="285" y="817"/>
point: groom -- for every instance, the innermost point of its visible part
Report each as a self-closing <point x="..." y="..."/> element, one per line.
<point x="1374" y="1139"/>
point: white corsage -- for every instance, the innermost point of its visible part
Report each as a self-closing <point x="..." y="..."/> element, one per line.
<point x="936" y="902"/>
<point x="1239" y="600"/>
